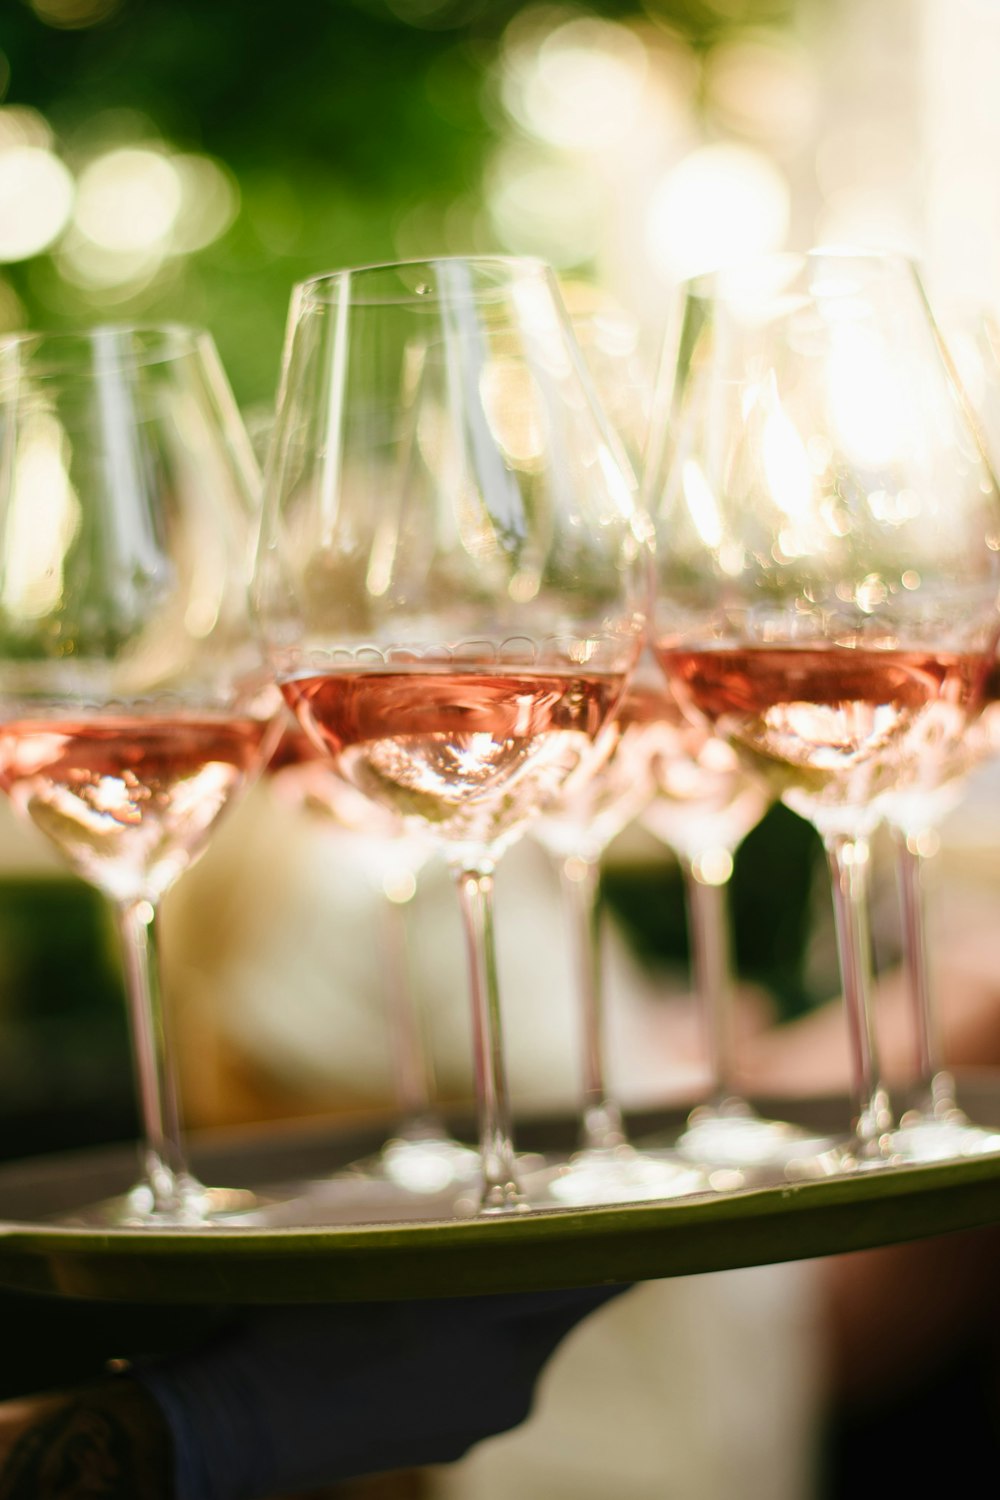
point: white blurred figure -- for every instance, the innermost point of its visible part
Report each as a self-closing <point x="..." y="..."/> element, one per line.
<point x="701" y="1387"/>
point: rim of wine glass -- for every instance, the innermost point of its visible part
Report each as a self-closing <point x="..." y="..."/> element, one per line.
<point x="739" y="275"/>
<point x="320" y="288"/>
<point x="160" y="343"/>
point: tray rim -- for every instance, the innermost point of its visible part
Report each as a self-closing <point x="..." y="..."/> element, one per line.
<point x="542" y="1249"/>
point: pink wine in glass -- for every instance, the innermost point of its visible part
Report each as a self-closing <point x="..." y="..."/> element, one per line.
<point x="128" y="800"/>
<point x="831" y="724"/>
<point x="470" y="753"/>
<point x="612" y="785"/>
<point x="703" y="799"/>
<point x="597" y="801"/>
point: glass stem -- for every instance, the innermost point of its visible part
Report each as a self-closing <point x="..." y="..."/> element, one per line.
<point x="501" y="1189"/>
<point x="162" y="1152"/>
<point x="935" y="1085"/>
<point x="601" y="1127"/>
<point x="849" y="859"/>
<point x="710" y="965"/>
<point x="411" y="1080"/>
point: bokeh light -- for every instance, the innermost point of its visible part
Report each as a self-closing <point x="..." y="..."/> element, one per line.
<point x="74" y="15"/>
<point x="861" y="154"/>
<point x="210" y="201"/>
<point x="22" y="126"/>
<point x="632" y="144"/>
<point x="763" y="86"/>
<point x="867" y="176"/>
<point x="36" y="199"/>
<point x="545" y="207"/>
<point x="41" y="521"/>
<point x="581" y="88"/>
<point x="128" y="199"/>
<point x="115" y="274"/>
<point x="720" y="203"/>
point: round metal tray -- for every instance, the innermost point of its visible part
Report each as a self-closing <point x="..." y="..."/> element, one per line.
<point x="306" y="1260"/>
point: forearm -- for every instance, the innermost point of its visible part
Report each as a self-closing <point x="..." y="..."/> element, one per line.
<point x="108" y="1439"/>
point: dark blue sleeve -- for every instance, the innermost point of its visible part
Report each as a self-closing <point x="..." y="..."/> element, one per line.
<point x="296" y="1398"/>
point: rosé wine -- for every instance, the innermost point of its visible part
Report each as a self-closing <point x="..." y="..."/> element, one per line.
<point x="471" y="754"/>
<point x="614" y="782"/>
<point x="687" y="785"/>
<point x="830" y="725"/>
<point x="128" y="800"/>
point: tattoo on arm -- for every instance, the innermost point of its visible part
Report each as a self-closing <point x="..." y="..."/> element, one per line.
<point x="108" y="1442"/>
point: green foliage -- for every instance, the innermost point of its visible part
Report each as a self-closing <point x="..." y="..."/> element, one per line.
<point x="335" y="121"/>
<point x="352" y="130"/>
<point x="65" y="1076"/>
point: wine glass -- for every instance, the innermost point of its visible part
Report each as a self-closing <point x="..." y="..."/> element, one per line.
<point x="935" y="1127"/>
<point x="693" y="796"/>
<point x="829" y="564"/>
<point x="453" y="574"/>
<point x="420" y="1157"/>
<point x="133" y="696"/>
<point x="594" y="806"/>
<point x="705" y="805"/>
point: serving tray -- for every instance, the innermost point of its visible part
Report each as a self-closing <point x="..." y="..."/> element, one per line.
<point x="303" y="1259"/>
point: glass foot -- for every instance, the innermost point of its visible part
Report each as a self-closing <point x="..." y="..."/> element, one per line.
<point x="844" y="1160"/>
<point x="425" y="1177"/>
<point x="861" y="1151"/>
<point x="738" y="1138"/>
<point x="190" y="1205"/>
<point x="422" y="1158"/>
<point x="940" y="1137"/>
<point x="426" y="1164"/>
<point x="618" y="1174"/>
<point x="420" y="1174"/>
<point x="348" y="1200"/>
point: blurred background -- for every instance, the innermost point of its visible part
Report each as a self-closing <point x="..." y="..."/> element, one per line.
<point x="164" y="158"/>
<point x="191" y="159"/>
